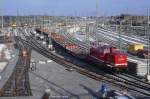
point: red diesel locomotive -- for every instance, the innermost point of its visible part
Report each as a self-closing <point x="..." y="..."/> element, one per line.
<point x="109" y="55"/>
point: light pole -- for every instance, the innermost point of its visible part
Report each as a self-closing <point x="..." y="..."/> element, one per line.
<point x="148" y="36"/>
<point x="119" y="34"/>
<point x="2" y="18"/>
<point x="87" y="36"/>
<point x="96" y="23"/>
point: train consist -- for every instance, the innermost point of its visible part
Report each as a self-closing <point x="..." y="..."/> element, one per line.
<point x="138" y="50"/>
<point x="101" y="54"/>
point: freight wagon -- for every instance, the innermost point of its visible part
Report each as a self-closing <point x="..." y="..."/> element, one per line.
<point x="62" y="43"/>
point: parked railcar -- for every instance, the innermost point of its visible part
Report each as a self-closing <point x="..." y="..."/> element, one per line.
<point x="143" y="54"/>
<point x="138" y="50"/>
<point x="134" y="48"/>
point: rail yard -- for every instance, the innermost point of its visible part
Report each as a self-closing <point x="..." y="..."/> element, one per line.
<point x="52" y="57"/>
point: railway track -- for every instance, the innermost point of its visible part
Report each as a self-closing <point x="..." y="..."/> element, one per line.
<point x="18" y="83"/>
<point x="4" y="39"/>
<point x="97" y="76"/>
<point x="135" y="39"/>
<point x="129" y="84"/>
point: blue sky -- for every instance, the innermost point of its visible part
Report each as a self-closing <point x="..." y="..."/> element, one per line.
<point x="73" y="7"/>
